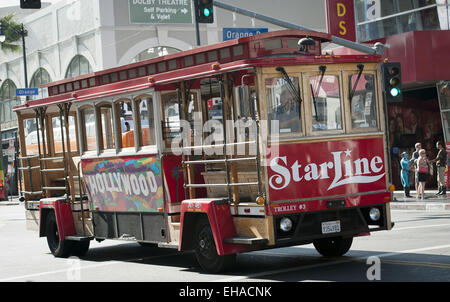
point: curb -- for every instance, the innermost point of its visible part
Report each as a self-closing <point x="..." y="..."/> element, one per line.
<point x="420" y="206"/>
<point x="9" y="203"/>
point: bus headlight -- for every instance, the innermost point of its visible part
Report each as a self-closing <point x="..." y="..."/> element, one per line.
<point x="374" y="214"/>
<point x="285" y="224"/>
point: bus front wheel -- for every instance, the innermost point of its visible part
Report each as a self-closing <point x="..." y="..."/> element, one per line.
<point x="206" y="253"/>
<point x="59" y="248"/>
<point x="333" y="247"/>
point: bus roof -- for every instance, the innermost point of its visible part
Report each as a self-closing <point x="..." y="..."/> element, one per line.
<point x="279" y="47"/>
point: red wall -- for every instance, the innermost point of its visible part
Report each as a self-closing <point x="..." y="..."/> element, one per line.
<point x="424" y="55"/>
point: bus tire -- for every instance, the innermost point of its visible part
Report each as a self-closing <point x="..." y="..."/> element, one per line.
<point x="59" y="248"/>
<point x="333" y="247"/>
<point x="206" y="252"/>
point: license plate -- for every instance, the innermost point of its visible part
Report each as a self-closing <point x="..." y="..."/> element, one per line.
<point x="331" y="227"/>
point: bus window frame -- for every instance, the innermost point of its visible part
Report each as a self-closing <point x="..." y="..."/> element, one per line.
<point x="98" y="115"/>
<point x="149" y="98"/>
<point x="118" y="126"/>
<point x="309" y="104"/>
<point x="265" y="112"/>
<point x="346" y="75"/>
<point x="82" y="130"/>
<point x="50" y="117"/>
<point x="195" y="93"/>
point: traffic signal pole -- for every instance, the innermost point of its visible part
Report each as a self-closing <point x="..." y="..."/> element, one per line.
<point x="378" y="49"/>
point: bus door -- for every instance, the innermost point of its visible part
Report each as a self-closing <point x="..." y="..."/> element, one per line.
<point x="444" y="105"/>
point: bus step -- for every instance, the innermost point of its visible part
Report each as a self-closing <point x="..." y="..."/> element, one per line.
<point x="170" y="245"/>
<point x="78" y="238"/>
<point x="246" y="240"/>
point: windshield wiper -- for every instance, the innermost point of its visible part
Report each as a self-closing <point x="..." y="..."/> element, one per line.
<point x="352" y="93"/>
<point x="294" y="90"/>
<point x="322" y="69"/>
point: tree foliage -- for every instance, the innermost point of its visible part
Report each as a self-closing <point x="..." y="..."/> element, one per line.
<point x="11" y="30"/>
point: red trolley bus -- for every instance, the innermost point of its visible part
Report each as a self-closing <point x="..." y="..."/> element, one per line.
<point x="255" y="143"/>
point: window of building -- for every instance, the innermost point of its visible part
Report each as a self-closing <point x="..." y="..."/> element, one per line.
<point x="78" y="66"/>
<point x="378" y="19"/>
<point x="154" y="52"/>
<point x="8" y="101"/>
<point x="41" y="76"/>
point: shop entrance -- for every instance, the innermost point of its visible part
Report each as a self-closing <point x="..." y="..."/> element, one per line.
<point x="416" y="119"/>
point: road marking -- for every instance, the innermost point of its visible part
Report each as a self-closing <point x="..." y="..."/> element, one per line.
<point x="299" y="268"/>
<point x="84" y="267"/>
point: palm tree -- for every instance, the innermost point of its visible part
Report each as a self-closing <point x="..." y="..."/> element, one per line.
<point x="11" y="30"/>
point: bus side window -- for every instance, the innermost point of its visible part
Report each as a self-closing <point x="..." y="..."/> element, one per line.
<point x="363" y="105"/>
<point x="88" y="129"/>
<point x="171" y="123"/>
<point x="31" y="139"/>
<point x="144" y="105"/>
<point x="106" y="127"/>
<point x="57" y="134"/>
<point x="126" y="126"/>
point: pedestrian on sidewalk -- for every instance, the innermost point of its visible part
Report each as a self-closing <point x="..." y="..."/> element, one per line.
<point x="404" y="175"/>
<point x="441" y="163"/>
<point x="413" y="159"/>
<point x="422" y="169"/>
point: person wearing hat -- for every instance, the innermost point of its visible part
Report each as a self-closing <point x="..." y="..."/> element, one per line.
<point x="404" y="175"/>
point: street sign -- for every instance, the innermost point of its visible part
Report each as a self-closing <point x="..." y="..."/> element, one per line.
<point x="27" y="91"/>
<point x="160" y="11"/>
<point x="236" y="33"/>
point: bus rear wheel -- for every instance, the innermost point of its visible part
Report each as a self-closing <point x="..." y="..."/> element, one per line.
<point x="59" y="248"/>
<point x="206" y="252"/>
<point x="333" y="247"/>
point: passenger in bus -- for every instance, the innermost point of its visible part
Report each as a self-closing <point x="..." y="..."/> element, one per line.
<point x="127" y="136"/>
<point x="287" y="113"/>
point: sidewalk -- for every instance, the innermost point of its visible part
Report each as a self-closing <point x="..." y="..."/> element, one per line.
<point x="430" y="203"/>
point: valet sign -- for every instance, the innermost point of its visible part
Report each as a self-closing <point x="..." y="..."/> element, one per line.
<point x="160" y="11"/>
<point x="327" y="168"/>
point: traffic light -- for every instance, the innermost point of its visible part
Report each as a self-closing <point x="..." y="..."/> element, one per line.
<point x="30" y="4"/>
<point x="204" y="12"/>
<point x="392" y="82"/>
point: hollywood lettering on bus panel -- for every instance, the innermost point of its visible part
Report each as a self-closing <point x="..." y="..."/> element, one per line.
<point x="131" y="184"/>
<point x="340" y="167"/>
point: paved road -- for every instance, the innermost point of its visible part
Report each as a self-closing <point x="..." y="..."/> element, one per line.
<point x="418" y="249"/>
